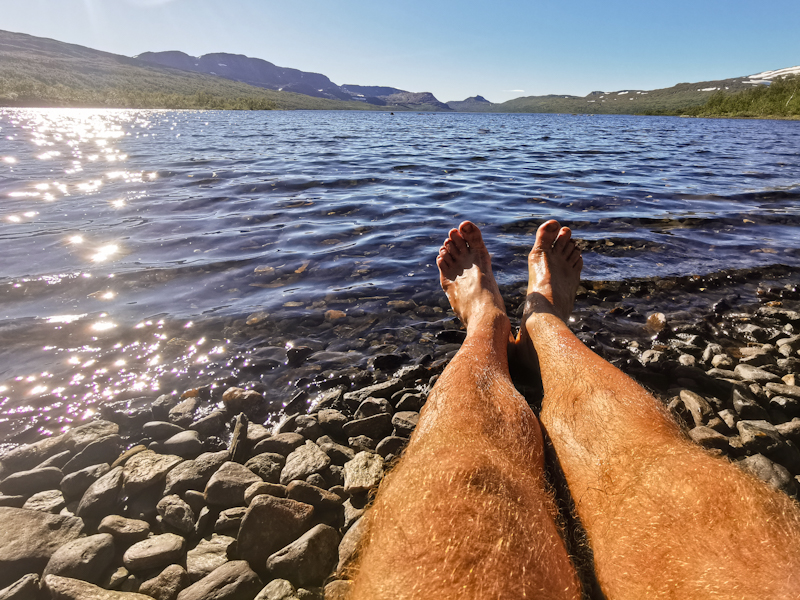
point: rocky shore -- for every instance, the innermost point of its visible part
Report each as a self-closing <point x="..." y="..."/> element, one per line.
<point x="200" y="495"/>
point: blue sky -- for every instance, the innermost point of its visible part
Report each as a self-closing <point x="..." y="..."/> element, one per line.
<point x="454" y="49"/>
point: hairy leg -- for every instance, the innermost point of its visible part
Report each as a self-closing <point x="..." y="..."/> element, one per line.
<point x="664" y="518"/>
<point x="465" y="513"/>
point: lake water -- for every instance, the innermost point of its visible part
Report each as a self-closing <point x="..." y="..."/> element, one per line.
<point x="144" y="251"/>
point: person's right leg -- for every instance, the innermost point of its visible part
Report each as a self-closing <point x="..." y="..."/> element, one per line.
<point x="664" y="518"/>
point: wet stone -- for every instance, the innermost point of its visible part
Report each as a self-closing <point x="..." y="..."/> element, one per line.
<point x="183" y="413"/>
<point x="160" y="430"/>
<point x="154" y="552"/>
<point x="304" y="461"/>
<point x="212" y="424"/>
<point x="249" y="402"/>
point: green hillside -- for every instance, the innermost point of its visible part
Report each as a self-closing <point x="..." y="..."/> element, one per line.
<point x="780" y="99"/>
<point x="44" y="73"/>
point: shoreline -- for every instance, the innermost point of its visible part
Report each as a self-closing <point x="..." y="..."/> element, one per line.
<point x="723" y="357"/>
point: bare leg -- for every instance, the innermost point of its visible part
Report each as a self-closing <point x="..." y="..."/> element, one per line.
<point x="465" y="513"/>
<point x="664" y="518"/>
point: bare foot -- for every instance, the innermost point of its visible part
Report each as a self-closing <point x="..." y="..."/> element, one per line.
<point x="465" y="270"/>
<point x="554" y="270"/>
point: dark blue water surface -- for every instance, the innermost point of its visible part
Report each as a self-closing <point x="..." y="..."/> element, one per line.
<point x="144" y="251"/>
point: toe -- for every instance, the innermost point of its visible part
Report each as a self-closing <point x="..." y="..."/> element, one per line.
<point x="471" y="234"/>
<point x="546" y="235"/>
<point x="562" y="243"/>
<point x="458" y="241"/>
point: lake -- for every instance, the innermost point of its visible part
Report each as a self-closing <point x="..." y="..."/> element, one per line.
<point x="148" y="251"/>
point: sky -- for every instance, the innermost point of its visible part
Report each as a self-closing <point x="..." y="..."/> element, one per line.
<point x="501" y="50"/>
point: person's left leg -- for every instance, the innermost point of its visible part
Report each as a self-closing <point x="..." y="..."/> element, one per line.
<point x="466" y="513"/>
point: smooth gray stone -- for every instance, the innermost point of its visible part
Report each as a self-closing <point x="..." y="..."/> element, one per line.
<point x="85" y="558"/>
<point x="234" y="580"/>
<point x="25" y="588"/>
<point x="376" y="427"/>
<point x="167" y="584"/>
<point x="282" y="443"/>
<point x="304" y="461"/>
<point x="378" y="390"/>
<point x="363" y="473"/>
<point x="176" y="513"/>
<point x="50" y="501"/>
<point x="212" y="424"/>
<point x="278" y="589"/>
<point x="74" y="440"/>
<point x="373" y="406"/>
<point x="267" y="465"/>
<point x="269" y="524"/>
<point x="256" y="489"/>
<point x="755" y="374"/>
<point x="104" y="450"/>
<point x="146" y="469"/>
<point x="75" y="484"/>
<point x="779" y="389"/>
<point x="26" y="483"/>
<point x="307" y="560"/>
<point x="160" y="430"/>
<point x="101" y="497"/>
<point x="331" y="421"/>
<point x="185" y="444"/>
<point x="391" y="445"/>
<point x="182" y="413"/>
<point x="28" y="538"/>
<point x="770" y="472"/>
<point x="308" y="427"/>
<point x="66" y="588"/>
<point x="194" y="474"/>
<point x="154" y="552"/>
<point x="227" y="486"/>
<point x="405" y="422"/>
<point x="209" y="554"/>
<point x="57" y="460"/>
<point x="12" y="501"/>
<point x="126" y="531"/>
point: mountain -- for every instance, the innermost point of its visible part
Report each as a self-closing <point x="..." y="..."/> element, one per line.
<point x="471" y="104"/>
<point x="264" y="74"/>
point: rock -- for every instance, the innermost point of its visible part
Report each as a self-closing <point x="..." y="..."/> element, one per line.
<point x="194" y="474"/>
<point x="282" y="443"/>
<point x="183" y="413"/>
<point x="12" y="501"/>
<point x="754" y="374"/>
<point x="176" y="513"/>
<point x="209" y="554"/>
<point x="309" y="559"/>
<point x="308" y="427"/>
<point x="212" y="424"/>
<point x="313" y="495"/>
<point x="413" y="401"/>
<point x="126" y="456"/>
<point x="51" y="501"/>
<point x="114" y="580"/>
<point x="781" y="389"/>
<point x="146" y="469"/>
<point x="362" y="443"/>
<point x="338" y="590"/>
<point x="167" y="584"/>
<point x="378" y="390"/>
<point x="27" y="456"/>
<point x="143" y="505"/>
<point x="766" y="470"/>
<point x="790" y="430"/>
<point x="154" y="552"/>
<point x="708" y="438"/>
<point x="762" y="437"/>
<point x="160" y="430"/>
<point x="391" y="445"/>
<point x="249" y="402"/>
<point x="746" y="407"/>
<point x="28" y="538"/>
<point x="331" y="421"/>
<point x="226" y="487"/>
<point x="75" y="484"/>
<point x="722" y="361"/>
<point x="238" y="446"/>
<point x="278" y="589"/>
<point x="271" y="489"/>
<point x="404" y="423"/>
<point x="25" y="588"/>
<point x="267" y="466"/>
<point x="373" y="406"/>
<point x="230" y="519"/>
<point x="363" y="473"/>
<point x="350" y="544"/>
<point x="125" y="531"/>
<point x="270" y="524"/>
<point x="104" y="450"/>
<point x="84" y="558"/>
<point x="376" y="427"/>
<point x="234" y="580"/>
<point x="185" y="444"/>
<point x="26" y="483"/>
<point x="785" y="405"/>
<point x="66" y="588"/>
<point x="304" y="461"/>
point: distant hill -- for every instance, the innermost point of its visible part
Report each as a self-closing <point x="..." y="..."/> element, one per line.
<point x="471" y="104"/>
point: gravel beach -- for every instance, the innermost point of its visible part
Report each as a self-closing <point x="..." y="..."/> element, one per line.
<point x="200" y="495"/>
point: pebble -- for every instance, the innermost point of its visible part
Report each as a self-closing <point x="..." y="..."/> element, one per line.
<point x="84" y="558"/>
<point x="269" y="524"/>
<point x="226" y="487"/>
<point x="303" y="461"/>
<point x="154" y="552"/>
<point x="75" y="484"/>
<point x="363" y="473"/>
<point x="267" y="466"/>
<point x="125" y="531"/>
<point x="146" y="469"/>
<point x="176" y="513"/>
<point x="66" y="588"/>
<point x="307" y="560"/>
<point x="210" y="553"/>
<point x="232" y="581"/>
<point x="51" y="501"/>
<point x="167" y="584"/>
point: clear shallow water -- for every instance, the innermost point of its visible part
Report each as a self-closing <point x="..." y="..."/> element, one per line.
<point x="146" y="250"/>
